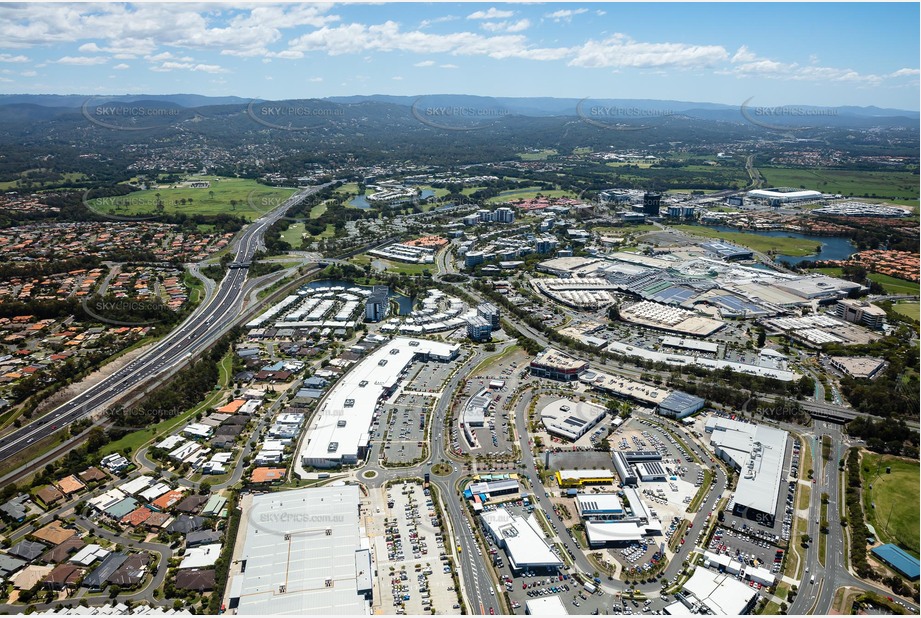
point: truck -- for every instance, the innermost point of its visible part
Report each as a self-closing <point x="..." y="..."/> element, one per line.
<point x="590" y="587"/>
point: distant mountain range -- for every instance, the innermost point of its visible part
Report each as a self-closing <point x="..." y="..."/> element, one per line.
<point x="46" y="106"/>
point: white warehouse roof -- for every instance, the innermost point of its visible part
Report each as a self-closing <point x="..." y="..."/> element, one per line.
<point x="340" y="428"/>
<point x="323" y="562"/>
<point x="758" y="452"/>
<point x="524" y="541"/>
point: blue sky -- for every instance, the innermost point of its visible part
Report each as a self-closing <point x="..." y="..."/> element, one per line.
<point x="791" y="53"/>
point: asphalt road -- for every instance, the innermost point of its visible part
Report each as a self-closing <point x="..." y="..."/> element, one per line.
<point x="207" y="323"/>
<point x="480" y="591"/>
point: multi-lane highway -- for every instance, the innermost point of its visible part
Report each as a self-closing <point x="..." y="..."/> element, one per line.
<point x="207" y="323"/>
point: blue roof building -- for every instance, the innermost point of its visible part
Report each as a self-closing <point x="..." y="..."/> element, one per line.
<point x="898" y="559"/>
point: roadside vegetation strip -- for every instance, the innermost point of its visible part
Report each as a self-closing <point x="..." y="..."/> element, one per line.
<point x="491" y="359"/>
<point x="823" y="536"/>
<point x="694" y="506"/>
<point x="675" y="542"/>
<point x="826" y="449"/>
<point x="138" y="439"/>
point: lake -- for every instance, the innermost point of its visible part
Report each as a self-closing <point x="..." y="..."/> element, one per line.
<point x="405" y="303"/>
<point x="833" y="247"/>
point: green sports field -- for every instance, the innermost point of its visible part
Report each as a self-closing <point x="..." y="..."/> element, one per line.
<point x="897" y="515"/>
<point x="527" y="193"/>
<point x="910" y="310"/>
<point x="236" y="196"/>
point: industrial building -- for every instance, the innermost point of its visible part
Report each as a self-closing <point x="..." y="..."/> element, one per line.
<point x="578" y="478"/>
<point x="571" y="419"/>
<point x="679" y="404"/>
<point x="522" y="539"/>
<point x="650" y="471"/>
<point x="860" y="312"/>
<point x="546" y="606"/>
<point x="486" y="490"/>
<point x="600" y="507"/>
<point x="377" y="305"/>
<point x="304" y="552"/>
<point x="757" y="452"/>
<point x="862" y="367"/>
<point x="555" y="365"/>
<point x="624" y="470"/>
<point x="898" y="559"/>
<point x="636" y="522"/>
<point x="709" y="592"/>
<point x="338" y="433"/>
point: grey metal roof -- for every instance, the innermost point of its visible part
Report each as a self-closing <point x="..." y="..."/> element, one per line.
<point x="297" y="564"/>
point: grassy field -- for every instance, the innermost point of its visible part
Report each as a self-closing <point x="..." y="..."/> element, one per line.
<point x="349" y="187"/>
<point x="470" y="190"/>
<point x="890" y="284"/>
<point x="781" y="245"/>
<point x="896" y="496"/>
<point x="67" y="179"/>
<point x="293" y="234"/>
<point x="857" y="183"/>
<point x="537" y="156"/>
<point x="237" y="196"/>
<point x="395" y="267"/>
<point x="910" y="310"/>
<point x="895" y="286"/>
<point x="526" y="193"/>
<point x="317" y="211"/>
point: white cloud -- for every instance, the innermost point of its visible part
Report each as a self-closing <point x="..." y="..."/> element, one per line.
<point x="166" y="67"/>
<point x="905" y="72"/>
<point x="620" y="51"/>
<point x="448" y="66"/>
<point x="748" y="64"/>
<point x="386" y="37"/>
<point x="82" y="60"/>
<point x="492" y="13"/>
<point x="425" y="63"/>
<point x="315" y="79"/>
<point x="397" y="78"/>
<point x="122" y="66"/>
<point x="743" y="55"/>
<point x="505" y="26"/>
<point x="425" y="23"/>
<point x="28" y="73"/>
<point x="566" y="14"/>
<point x="11" y="58"/>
